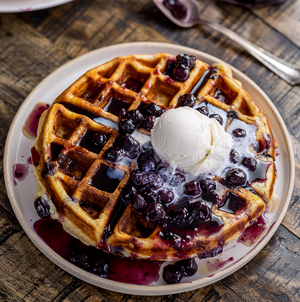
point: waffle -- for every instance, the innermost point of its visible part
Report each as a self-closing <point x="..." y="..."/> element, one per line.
<point x="83" y="189"/>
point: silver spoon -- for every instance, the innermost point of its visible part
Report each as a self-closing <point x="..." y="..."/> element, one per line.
<point x="289" y="72"/>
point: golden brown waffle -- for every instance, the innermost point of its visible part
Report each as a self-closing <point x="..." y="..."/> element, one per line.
<point x="73" y="179"/>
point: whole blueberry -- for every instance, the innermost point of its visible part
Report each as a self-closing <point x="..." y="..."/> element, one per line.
<point x="204" y="110"/>
<point x="136" y="116"/>
<point x="181" y="73"/>
<point x="234" y="156"/>
<point x="138" y="202"/>
<point x="130" y="145"/>
<point x="166" y="195"/>
<point x="152" y="109"/>
<point x="150" y="195"/>
<point x="128" y="191"/>
<point x="155" y="181"/>
<point x="100" y="265"/>
<point x="98" y="139"/>
<point x="208" y="185"/>
<point x="235" y="177"/>
<point x="188" y="267"/>
<point x="154" y="212"/>
<point x="146" y="161"/>
<point x="140" y="178"/>
<point x="80" y="258"/>
<point x="192" y="189"/>
<point x="239" y="132"/>
<point x="42" y="207"/>
<point x="187" y="100"/>
<point x="126" y="126"/>
<point x="176" y="179"/>
<point x="172" y="274"/>
<point x="250" y="163"/>
<point x="217" y="117"/>
<point x="114" y="154"/>
<point x="149" y="122"/>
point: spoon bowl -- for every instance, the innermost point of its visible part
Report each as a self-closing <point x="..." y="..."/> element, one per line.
<point x="189" y="16"/>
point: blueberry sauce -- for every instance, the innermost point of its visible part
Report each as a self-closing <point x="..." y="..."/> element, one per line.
<point x="115" y="104"/>
<point x="31" y="124"/>
<point x="254" y="232"/>
<point x="29" y="160"/>
<point x="203" y="80"/>
<point x="222" y="97"/>
<point x="20" y="171"/>
<point x="119" y="269"/>
<point x="55" y="150"/>
<point x="214" y="265"/>
<point x="232" y="203"/>
<point x="255" y="168"/>
<point x="80" y="110"/>
<point x="133" y="84"/>
<point x="93" y="141"/>
<point x="106" y="178"/>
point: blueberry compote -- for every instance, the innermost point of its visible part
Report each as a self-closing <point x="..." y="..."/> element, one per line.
<point x="93" y="141"/>
<point x="93" y="260"/>
<point x="133" y="84"/>
<point x="254" y="232"/>
<point x="241" y="158"/>
<point x="179" y="70"/>
<point x="115" y="104"/>
<point x="31" y="124"/>
<point x="106" y="178"/>
<point x="20" y="171"/>
<point x="177" y="8"/>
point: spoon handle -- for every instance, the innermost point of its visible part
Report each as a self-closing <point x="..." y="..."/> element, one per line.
<point x="290" y="73"/>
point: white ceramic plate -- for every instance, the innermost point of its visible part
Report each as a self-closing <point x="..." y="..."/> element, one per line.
<point x="16" y="6"/>
<point x="17" y="150"/>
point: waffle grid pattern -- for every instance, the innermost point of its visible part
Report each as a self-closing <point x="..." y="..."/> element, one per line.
<point x="86" y="206"/>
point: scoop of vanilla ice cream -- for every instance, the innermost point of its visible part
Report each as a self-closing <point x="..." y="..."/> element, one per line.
<point x="191" y="141"/>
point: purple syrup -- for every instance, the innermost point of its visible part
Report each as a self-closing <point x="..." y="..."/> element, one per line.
<point x="80" y="110"/>
<point x="133" y="85"/>
<point x="31" y="124"/>
<point x="29" y="160"/>
<point x="232" y="203"/>
<point x="88" y="141"/>
<point x="20" y="171"/>
<point x="125" y="270"/>
<point x="254" y="232"/>
<point x="222" y="97"/>
<point x="115" y="104"/>
<point x="214" y="265"/>
<point x="55" y="150"/>
<point x="106" y="178"/>
<point x="203" y="80"/>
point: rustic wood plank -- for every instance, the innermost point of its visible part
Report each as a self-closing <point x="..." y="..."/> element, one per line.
<point x="33" y="44"/>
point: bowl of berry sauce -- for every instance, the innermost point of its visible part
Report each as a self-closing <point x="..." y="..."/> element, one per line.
<point x="126" y="275"/>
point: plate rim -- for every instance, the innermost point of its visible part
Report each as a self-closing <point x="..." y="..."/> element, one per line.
<point x="149" y="290"/>
<point x="16" y="8"/>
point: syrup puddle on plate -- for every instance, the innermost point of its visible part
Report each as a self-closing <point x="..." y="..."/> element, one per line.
<point x="31" y="124"/>
<point x="210" y="266"/>
<point x="125" y="270"/>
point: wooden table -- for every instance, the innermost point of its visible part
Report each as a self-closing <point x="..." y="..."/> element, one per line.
<point x="33" y="44"/>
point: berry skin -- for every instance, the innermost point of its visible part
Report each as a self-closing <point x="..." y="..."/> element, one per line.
<point x="217" y="117"/>
<point x="154" y="212"/>
<point x="99" y="139"/>
<point x="187" y="100"/>
<point x="126" y="126"/>
<point x="234" y="156"/>
<point x="204" y="110"/>
<point x="192" y="189"/>
<point x="250" y="163"/>
<point x="166" y="196"/>
<point x="138" y="202"/>
<point x="235" y="177"/>
<point x="172" y="274"/>
<point x="42" y="207"/>
<point x="80" y="258"/>
<point x="188" y="267"/>
<point x="239" y="132"/>
<point x="146" y="161"/>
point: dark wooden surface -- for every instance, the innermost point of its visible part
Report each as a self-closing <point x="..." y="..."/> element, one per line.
<point x="33" y="44"/>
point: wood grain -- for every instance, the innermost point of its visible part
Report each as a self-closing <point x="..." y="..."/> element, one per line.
<point x="33" y="44"/>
